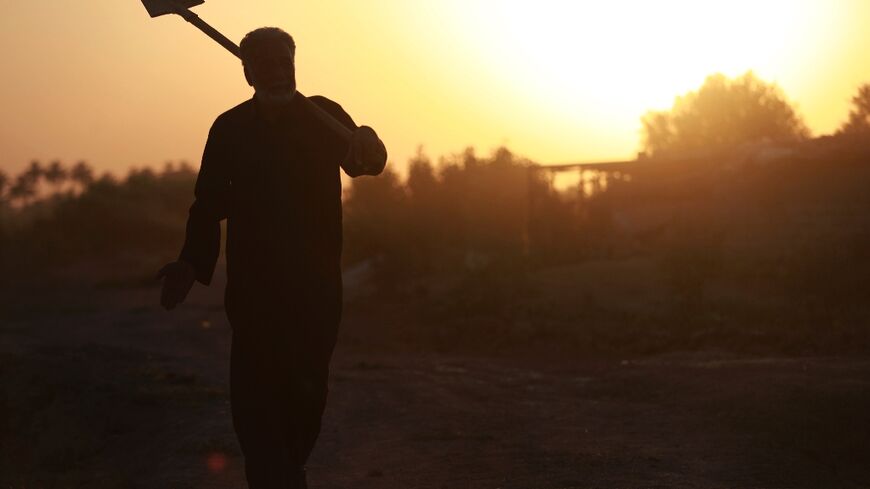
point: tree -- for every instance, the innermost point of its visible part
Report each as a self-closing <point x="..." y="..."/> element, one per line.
<point x="422" y="183"/>
<point x="26" y="183"/>
<point x="55" y="174"/>
<point x="4" y="182"/>
<point x="23" y="189"/>
<point x="859" y="117"/>
<point x="34" y="172"/>
<point x="723" y="114"/>
<point x="82" y="174"/>
<point x="374" y="210"/>
<point x="375" y="221"/>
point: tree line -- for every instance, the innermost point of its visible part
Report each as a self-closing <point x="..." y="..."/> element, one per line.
<point x="464" y="211"/>
<point x="23" y="189"/>
<point x="725" y="113"/>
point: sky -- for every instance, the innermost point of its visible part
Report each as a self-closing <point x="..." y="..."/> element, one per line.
<point x="554" y="81"/>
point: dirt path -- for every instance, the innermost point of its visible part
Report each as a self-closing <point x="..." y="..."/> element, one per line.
<point x="105" y="390"/>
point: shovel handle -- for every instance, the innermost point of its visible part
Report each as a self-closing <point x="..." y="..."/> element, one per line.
<point x="208" y="30"/>
<point x="325" y="117"/>
<point x="338" y="128"/>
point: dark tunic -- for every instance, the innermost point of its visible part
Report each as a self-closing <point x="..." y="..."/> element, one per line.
<point x="278" y="185"/>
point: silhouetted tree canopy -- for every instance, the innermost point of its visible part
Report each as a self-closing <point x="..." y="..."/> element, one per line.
<point x="724" y="113"/>
<point x="24" y="188"/>
<point x="56" y="174"/>
<point x="4" y="182"/>
<point x="422" y="183"/>
<point x="443" y="215"/>
<point x="34" y="172"/>
<point x="82" y="174"/>
<point x="859" y="117"/>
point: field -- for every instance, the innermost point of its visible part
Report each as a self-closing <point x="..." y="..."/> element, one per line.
<point x="104" y="389"/>
<point x="687" y="323"/>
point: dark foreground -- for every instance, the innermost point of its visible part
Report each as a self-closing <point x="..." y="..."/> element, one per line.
<point x="104" y="390"/>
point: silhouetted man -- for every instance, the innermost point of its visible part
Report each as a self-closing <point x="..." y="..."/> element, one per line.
<point x="272" y="170"/>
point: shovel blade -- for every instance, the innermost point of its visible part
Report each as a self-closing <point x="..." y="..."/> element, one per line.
<point x="157" y="8"/>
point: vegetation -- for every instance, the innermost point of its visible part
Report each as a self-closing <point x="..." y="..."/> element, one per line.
<point x="486" y="253"/>
<point x="858" y="123"/>
<point x="54" y="217"/>
<point x="723" y="114"/>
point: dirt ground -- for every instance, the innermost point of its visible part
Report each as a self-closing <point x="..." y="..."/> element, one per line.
<point x="102" y="389"/>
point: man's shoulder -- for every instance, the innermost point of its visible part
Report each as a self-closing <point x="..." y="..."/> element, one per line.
<point x="327" y="104"/>
<point x="333" y="108"/>
<point x="323" y="101"/>
<point x="239" y="114"/>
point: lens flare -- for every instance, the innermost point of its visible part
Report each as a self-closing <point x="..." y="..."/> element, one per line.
<point x="216" y="462"/>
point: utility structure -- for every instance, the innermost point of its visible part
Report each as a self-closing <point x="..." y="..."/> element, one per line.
<point x="591" y="180"/>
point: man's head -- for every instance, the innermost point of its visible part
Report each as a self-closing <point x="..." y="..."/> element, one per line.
<point x="268" y="57"/>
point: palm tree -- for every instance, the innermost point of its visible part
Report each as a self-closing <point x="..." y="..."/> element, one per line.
<point x="56" y="175"/>
<point x="23" y="189"/>
<point x="4" y="182"/>
<point x="34" y="172"/>
<point x="29" y="180"/>
<point x="82" y="174"/>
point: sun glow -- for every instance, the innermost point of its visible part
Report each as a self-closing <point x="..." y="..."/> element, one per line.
<point x="557" y="81"/>
<point x="612" y="61"/>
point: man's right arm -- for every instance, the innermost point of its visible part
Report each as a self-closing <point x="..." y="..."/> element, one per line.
<point x="203" y="233"/>
<point x="212" y="191"/>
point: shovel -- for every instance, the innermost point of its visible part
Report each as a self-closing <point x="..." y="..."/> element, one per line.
<point x="157" y="8"/>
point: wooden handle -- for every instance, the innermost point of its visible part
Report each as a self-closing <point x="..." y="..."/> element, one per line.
<point x="340" y="129"/>
<point x="209" y="31"/>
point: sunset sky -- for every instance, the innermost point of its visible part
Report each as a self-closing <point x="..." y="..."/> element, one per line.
<point x="555" y="81"/>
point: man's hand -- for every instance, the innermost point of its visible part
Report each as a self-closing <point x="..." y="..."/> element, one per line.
<point x="367" y="151"/>
<point x="178" y="279"/>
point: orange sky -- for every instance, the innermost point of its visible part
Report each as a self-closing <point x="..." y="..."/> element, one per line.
<point x="556" y="81"/>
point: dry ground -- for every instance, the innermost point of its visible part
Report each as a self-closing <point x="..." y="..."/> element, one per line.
<point x="103" y="389"/>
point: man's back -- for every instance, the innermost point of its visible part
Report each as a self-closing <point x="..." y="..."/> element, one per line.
<point x="278" y="184"/>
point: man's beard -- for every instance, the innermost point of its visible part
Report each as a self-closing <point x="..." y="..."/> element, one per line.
<point x="276" y="98"/>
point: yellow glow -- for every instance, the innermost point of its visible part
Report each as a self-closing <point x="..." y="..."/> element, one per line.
<point x="555" y="80"/>
<point x="587" y="70"/>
